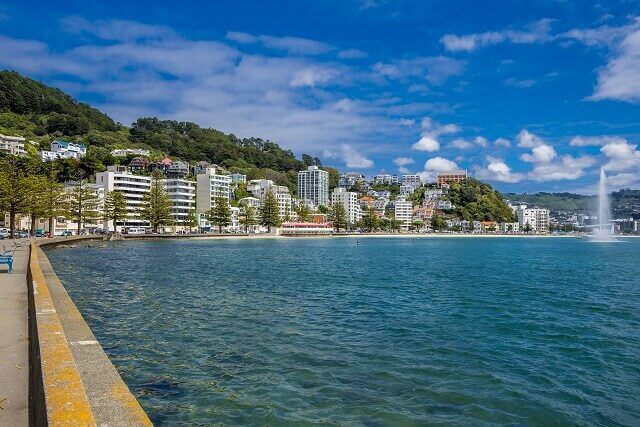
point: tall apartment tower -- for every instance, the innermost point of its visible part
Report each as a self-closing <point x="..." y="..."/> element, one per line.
<point x="313" y="185"/>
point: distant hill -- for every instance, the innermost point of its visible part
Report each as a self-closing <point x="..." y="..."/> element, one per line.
<point x="42" y="113"/>
<point x="625" y="203"/>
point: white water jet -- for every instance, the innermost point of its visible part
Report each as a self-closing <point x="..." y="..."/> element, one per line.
<point x="603" y="232"/>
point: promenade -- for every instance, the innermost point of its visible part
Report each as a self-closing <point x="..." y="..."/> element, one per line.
<point x="14" y="340"/>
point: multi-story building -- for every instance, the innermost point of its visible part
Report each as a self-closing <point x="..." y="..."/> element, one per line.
<point x="139" y="164"/>
<point x="177" y="170"/>
<point x="452" y="176"/>
<point x="210" y="185"/>
<point x="92" y="222"/>
<point x="412" y="180"/>
<point x="536" y="218"/>
<point x="12" y="145"/>
<point x="61" y="149"/>
<point x="386" y="179"/>
<point x="403" y="212"/>
<point x="349" y="179"/>
<point x="182" y="194"/>
<point x="313" y="185"/>
<point x="134" y="187"/>
<point x="124" y="152"/>
<point x="349" y="200"/>
<point x="510" y="227"/>
<point x="407" y="190"/>
<point x="237" y="178"/>
<point x="259" y="187"/>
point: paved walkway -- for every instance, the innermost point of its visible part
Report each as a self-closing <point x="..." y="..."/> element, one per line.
<point x="14" y="339"/>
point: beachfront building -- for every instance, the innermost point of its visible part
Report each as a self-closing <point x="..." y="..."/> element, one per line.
<point x="259" y="187"/>
<point x="403" y="212"/>
<point x="124" y="152"/>
<point x="313" y="185"/>
<point x="182" y="194"/>
<point x="349" y="179"/>
<point x="134" y="187"/>
<point x="510" y="227"/>
<point x="210" y="185"/>
<point x="536" y="218"/>
<point x="452" y="176"/>
<point x="12" y="145"/>
<point x="61" y="149"/>
<point x="386" y="179"/>
<point x="348" y="199"/>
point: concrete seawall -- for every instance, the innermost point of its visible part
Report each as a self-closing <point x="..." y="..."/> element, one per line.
<point x="71" y="379"/>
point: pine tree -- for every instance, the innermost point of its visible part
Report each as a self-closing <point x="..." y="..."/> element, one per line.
<point x="115" y="207"/>
<point x="83" y="204"/>
<point x="248" y="218"/>
<point x="192" y="220"/>
<point x="35" y="187"/>
<point x="303" y="211"/>
<point x="338" y="216"/>
<point x="270" y="211"/>
<point x="13" y="189"/>
<point x="220" y="213"/>
<point x="55" y="201"/>
<point x="156" y="206"/>
<point x="370" y="220"/>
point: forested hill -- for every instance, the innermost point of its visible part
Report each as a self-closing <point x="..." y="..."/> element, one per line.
<point x="42" y="114"/>
<point x="625" y="203"/>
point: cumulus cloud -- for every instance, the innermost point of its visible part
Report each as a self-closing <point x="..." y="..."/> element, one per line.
<point x="541" y="154"/>
<point x="567" y="168"/>
<point x="497" y="170"/>
<point x="434" y="69"/>
<point x="502" y="142"/>
<point x="435" y="165"/>
<point x="535" y="32"/>
<point x="481" y="141"/>
<point x="461" y="144"/>
<point x="403" y="161"/>
<point x="354" y="159"/>
<point x="621" y="156"/>
<point x="586" y="141"/>
<point x="313" y="76"/>
<point x="528" y="140"/>
<point x="430" y="133"/>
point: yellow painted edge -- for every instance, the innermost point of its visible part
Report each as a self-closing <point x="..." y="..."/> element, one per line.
<point x="66" y="399"/>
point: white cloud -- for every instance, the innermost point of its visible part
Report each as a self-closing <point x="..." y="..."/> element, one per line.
<point x="440" y="164"/>
<point x="621" y="156"/>
<point x="406" y="122"/>
<point x="521" y="83"/>
<point x="586" y="141"/>
<point x="535" y="32"/>
<point x="461" y="144"/>
<point x="568" y="168"/>
<point x="497" y="170"/>
<point x="313" y="76"/>
<point x="403" y="161"/>
<point x="434" y="69"/>
<point x="619" y="79"/>
<point x="115" y="29"/>
<point x="353" y="159"/>
<point x="352" y="54"/>
<point x="481" y="141"/>
<point x="292" y="45"/>
<point x="528" y="140"/>
<point x="502" y="142"/>
<point x="541" y="154"/>
<point x="430" y="133"/>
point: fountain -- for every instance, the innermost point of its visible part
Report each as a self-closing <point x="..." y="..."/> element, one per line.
<point x="603" y="231"/>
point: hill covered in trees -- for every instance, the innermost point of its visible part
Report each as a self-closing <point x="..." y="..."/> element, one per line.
<point x="478" y="201"/>
<point x="42" y="114"/>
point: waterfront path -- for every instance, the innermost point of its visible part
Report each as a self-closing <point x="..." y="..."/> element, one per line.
<point x="14" y="340"/>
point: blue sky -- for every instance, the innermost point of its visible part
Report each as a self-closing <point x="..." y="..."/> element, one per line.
<point x="530" y="96"/>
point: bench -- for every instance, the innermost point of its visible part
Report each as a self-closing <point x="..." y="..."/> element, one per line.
<point x="7" y="259"/>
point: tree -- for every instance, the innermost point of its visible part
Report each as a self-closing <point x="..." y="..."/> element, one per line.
<point x="83" y="205"/>
<point x="248" y="217"/>
<point x="35" y="186"/>
<point x="55" y="201"/>
<point x="192" y="220"/>
<point x="156" y="207"/>
<point x="270" y="211"/>
<point x="303" y="211"/>
<point x="370" y="220"/>
<point x="115" y="207"/>
<point x="323" y="209"/>
<point x="220" y="213"/>
<point x="438" y="223"/>
<point x="13" y="189"/>
<point x="338" y="216"/>
<point x="527" y="227"/>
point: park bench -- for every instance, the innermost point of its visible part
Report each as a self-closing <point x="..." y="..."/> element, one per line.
<point x="7" y="259"/>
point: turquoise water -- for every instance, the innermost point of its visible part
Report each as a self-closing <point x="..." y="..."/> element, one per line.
<point x="389" y="332"/>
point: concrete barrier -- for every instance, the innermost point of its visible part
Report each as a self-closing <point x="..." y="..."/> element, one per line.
<point x="72" y="381"/>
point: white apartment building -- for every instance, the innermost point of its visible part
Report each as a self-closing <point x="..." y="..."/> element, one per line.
<point x="349" y="179"/>
<point x="124" y="152"/>
<point x="12" y="145"/>
<point x="61" y="149"/>
<point x="407" y="190"/>
<point x="313" y="185"/>
<point x="211" y="184"/>
<point x="67" y="224"/>
<point x="403" y="212"/>
<point x="182" y="194"/>
<point x="254" y="202"/>
<point x="134" y="188"/>
<point x="386" y="179"/>
<point x="259" y="187"/>
<point x="537" y="218"/>
<point x="349" y="200"/>
<point x="413" y="180"/>
<point x="238" y="178"/>
<point x="510" y="227"/>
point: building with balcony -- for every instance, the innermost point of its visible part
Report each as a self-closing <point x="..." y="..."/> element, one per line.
<point x="349" y="200"/>
<point x="403" y="212"/>
<point x="182" y="194"/>
<point x="134" y="187"/>
<point x="61" y="149"/>
<point x="210" y="185"/>
<point x="313" y="185"/>
<point x="12" y="145"/>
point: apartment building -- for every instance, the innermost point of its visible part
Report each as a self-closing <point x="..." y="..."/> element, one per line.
<point x="124" y="152"/>
<point x="237" y="178"/>
<point x="134" y="188"/>
<point x="349" y="179"/>
<point x="259" y="187"/>
<point x="313" y="185"/>
<point x="412" y="180"/>
<point x="452" y="176"/>
<point x="403" y="212"/>
<point x="536" y="218"/>
<point x="386" y="179"/>
<point x="61" y="149"/>
<point x="211" y="184"/>
<point x="12" y="145"/>
<point x="182" y="194"/>
<point x="349" y="200"/>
